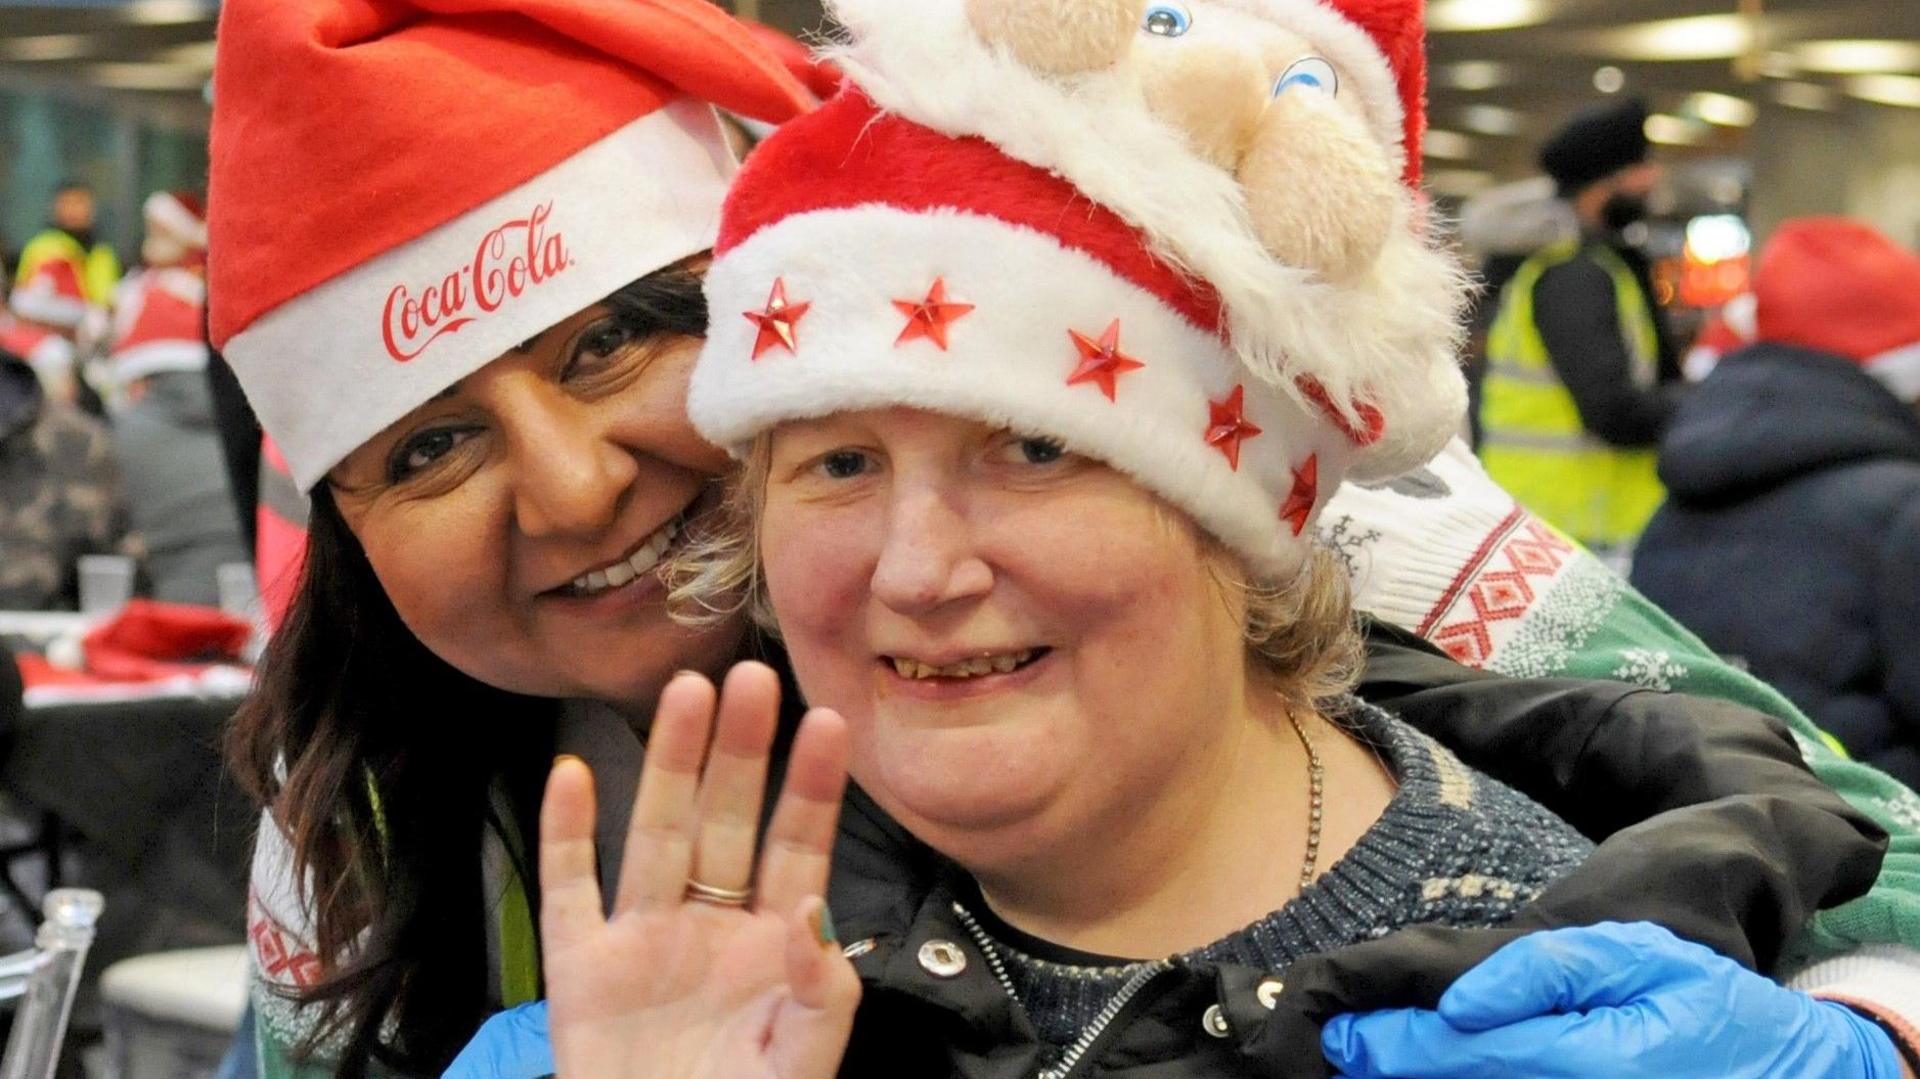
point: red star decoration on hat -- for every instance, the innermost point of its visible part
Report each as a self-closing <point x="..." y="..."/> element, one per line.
<point x="1229" y="427"/>
<point x="777" y="321"/>
<point x="1101" y="362"/>
<point x="1306" y="491"/>
<point x="929" y="318"/>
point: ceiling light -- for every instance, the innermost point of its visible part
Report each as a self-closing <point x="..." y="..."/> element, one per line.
<point x="1448" y="145"/>
<point x="1492" y="120"/>
<point x="169" y="12"/>
<point x="47" y="47"/>
<point x="1473" y="75"/>
<point x="1609" y="80"/>
<point x="1722" y="109"/>
<point x="1806" y="95"/>
<point x="1858" y="57"/>
<point x="1901" y="90"/>
<point x="1445" y="15"/>
<point x="1702" y="37"/>
<point x="158" y="77"/>
<point x="1676" y="130"/>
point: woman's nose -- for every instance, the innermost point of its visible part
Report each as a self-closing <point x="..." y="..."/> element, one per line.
<point x="569" y="477"/>
<point x="928" y="558"/>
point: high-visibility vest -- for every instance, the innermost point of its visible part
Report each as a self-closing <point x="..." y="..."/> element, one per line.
<point x="98" y="268"/>
<point x="1533" y="442"/>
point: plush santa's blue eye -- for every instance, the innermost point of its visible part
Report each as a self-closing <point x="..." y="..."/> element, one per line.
<point x="1167" y="20"/>
<point x="1311" y="73"/>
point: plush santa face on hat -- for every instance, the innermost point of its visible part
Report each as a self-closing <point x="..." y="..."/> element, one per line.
<point x="1182" y="237"/>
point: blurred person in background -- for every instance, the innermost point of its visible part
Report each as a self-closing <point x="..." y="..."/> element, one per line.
<point x="41" y="320"/>
<point x="1791" y="538"/>
<point x="1501" y="229"/>
<point x="165" y="436"/>
<point x="69" y="238"/>
<point x="1579" y="363"/>
<point x="59" y="493"/>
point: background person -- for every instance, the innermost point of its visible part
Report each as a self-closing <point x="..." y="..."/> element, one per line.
<point x="1579" y="366"/>
<point x="164" y="434"/>
<point x="69" y="239"/>
<point x="1791" y="537"/>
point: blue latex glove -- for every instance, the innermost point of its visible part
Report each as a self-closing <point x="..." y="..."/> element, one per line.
<point x="1613" y="1002"/>
<point x="511" y="1045"/>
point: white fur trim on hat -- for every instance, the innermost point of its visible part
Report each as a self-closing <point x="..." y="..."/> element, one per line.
<point x="1007" y="362"/>
<point x="158" y="358"/>
<point x="383" y="338"/>
<point x="37" y="300"/>
<point x="166" y="213"/>
<point x="1898" y="371"/>
<point x="1391" y="337"/>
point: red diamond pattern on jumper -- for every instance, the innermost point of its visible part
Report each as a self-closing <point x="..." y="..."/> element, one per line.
<point x="777" y="322"/>
<point x="1532" y="554"/>
<point x="1228" y="425"/>
<point x="1101" y="362"/>
<point x="929" y="318"/>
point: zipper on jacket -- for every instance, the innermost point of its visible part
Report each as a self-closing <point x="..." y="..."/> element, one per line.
<point x="1078" y="1051"/>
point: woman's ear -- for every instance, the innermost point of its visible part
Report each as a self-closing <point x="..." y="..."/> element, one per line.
<point x="1060" y="37"/>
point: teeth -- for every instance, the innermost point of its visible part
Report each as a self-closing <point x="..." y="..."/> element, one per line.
<point x="634" y="567"/>
<point x="1001" y="663"/>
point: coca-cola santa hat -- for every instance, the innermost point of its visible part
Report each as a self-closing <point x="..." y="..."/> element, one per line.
<point x="1228" y="293"/>
<point x="402" y="190"/>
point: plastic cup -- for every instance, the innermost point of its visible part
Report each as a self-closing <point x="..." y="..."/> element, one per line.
<point x="106" y="583"/>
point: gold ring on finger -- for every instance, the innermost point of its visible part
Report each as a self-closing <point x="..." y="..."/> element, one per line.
<point x="719" y="897"/>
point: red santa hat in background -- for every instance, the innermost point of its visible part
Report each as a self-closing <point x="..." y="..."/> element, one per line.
<point x="403" y="191"/>
<point x="52" y="296"/>
<point x="963" y="233"/>
<point x="1839" y="286"/>
<point x="176" y="229"/>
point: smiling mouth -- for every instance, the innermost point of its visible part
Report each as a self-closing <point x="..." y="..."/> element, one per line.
<point x="644" y="560"/>
<point x="975" y="667"/>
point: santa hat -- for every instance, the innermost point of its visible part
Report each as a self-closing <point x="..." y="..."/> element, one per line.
<point x="52" y="295"/>
<point x="962" y="233"/>
<point x="159" y="323"/>
<point x="176" y="228"/>
<point x="1838" y="286"/>
<point x="403" y="191"/>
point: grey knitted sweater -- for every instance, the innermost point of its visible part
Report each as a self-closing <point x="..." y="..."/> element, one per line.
<point x="1454" y="847"/>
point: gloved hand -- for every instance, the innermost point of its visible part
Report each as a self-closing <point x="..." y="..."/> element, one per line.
<point x="1614" y="1001"/>
<point x="511" y="1045"/>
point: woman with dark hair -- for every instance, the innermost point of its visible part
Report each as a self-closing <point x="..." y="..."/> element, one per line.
<point x="471" y="342"/>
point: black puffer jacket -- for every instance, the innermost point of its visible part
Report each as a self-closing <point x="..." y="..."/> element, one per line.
<point x="1791" y="539"/>
<point x="1712" y="827"/>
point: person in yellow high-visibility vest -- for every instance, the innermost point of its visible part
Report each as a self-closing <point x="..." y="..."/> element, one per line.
<point x="1581" y="378"/>
<point x="69" y="238"/>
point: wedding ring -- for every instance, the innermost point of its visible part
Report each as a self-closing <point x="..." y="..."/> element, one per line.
<point x="719" y="897"/>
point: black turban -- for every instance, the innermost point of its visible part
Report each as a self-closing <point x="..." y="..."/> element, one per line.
<point x="1596" y="144"/>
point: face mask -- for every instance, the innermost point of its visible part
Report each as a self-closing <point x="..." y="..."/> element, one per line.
<point x="1623" y="210"/>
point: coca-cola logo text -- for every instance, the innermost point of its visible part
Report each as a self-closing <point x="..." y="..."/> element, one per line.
<point x="509" y="260"/>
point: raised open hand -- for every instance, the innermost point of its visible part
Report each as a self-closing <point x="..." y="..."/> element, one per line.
<point x="737" y="975"/>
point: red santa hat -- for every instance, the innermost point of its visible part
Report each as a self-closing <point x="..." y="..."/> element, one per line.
<point x="159" y="323"/>
<point x="1838" y="286"/>
<point x="960" y="233"/>
<point x="176" y="228"/>
<point x="402" y="191"/>
<point x="52" y="295"/>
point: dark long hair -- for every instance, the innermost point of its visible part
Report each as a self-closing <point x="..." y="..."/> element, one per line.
<point x="379" y="759"/>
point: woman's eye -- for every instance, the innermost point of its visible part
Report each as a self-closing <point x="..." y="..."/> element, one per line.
<point x="844" y="464"/>
<point x="422" y="450"/>
<point x="1040" y="451"/>
<point x="1312" y="73"/>
<point x="605" y="338"/>
<point x="1167" y="20"/>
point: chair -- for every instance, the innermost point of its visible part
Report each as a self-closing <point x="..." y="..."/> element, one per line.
<point x="44" y="980"/>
